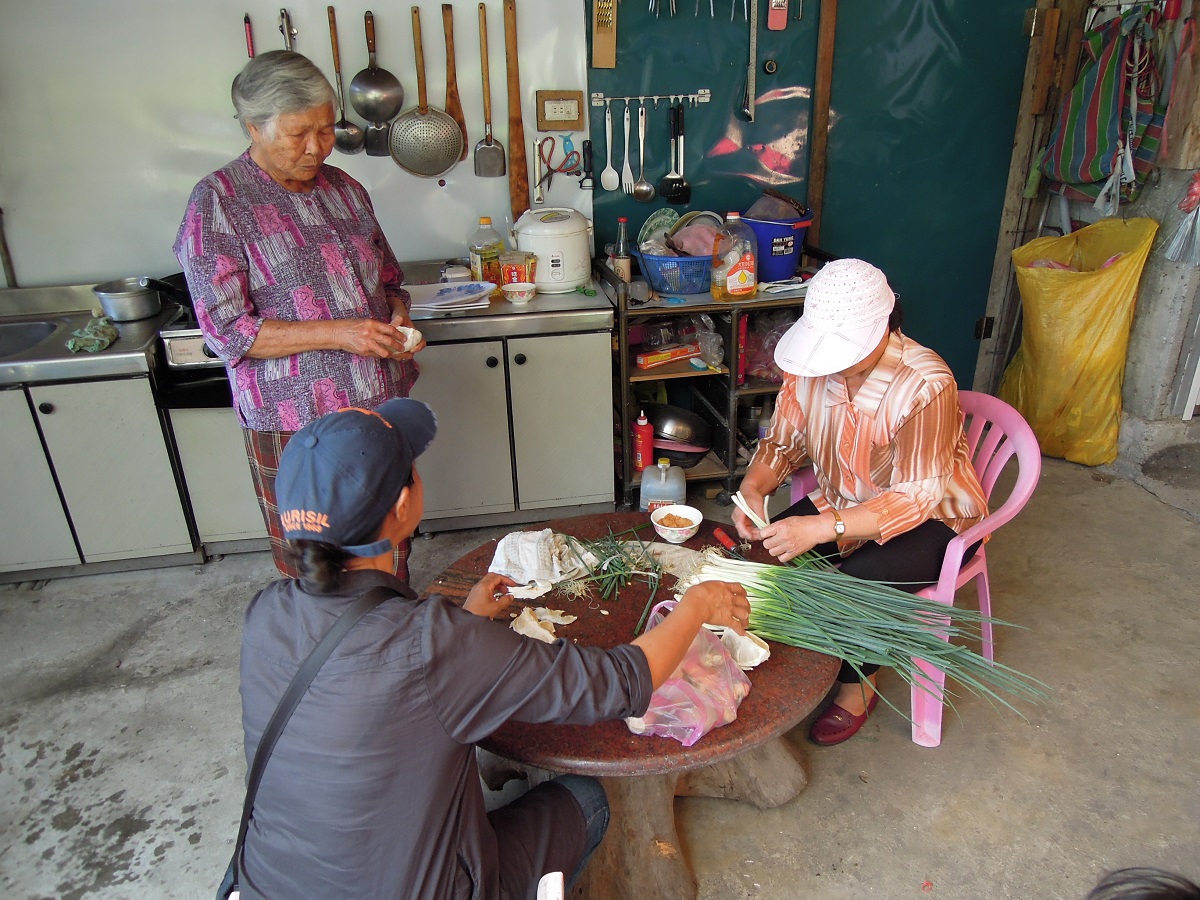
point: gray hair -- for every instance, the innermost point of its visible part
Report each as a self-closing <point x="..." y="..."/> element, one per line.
<point x="274" y="83"/>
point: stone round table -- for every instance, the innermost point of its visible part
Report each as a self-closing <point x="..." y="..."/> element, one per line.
<point x="747" y="760"/>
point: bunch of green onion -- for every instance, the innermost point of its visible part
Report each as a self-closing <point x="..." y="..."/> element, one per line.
<point x="813" y="605"/>
<point x="613" y="562"/>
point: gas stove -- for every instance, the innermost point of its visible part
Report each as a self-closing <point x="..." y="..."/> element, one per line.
<point x="183" y="344"/>
<point x="184" y="348"/>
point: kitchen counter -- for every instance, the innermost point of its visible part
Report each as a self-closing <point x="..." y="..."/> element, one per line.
<point x="573" y="311"/>
<point x="67" y="309"/>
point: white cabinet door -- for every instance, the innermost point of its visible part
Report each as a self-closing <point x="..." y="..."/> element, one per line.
<point x="212" y="453"/>
<point x="562" y="410"/>
<point x="468" y="468"/>
<point x="108" y="450"/>
<point x="34" y="532"/>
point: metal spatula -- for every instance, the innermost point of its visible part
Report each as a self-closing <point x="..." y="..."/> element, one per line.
<point x="489" y="154"/>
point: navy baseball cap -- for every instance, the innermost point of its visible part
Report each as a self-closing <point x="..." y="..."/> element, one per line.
<point x="339" y="475"/>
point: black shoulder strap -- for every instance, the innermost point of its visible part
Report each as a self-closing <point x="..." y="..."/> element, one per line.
<point x="291" y="699"/>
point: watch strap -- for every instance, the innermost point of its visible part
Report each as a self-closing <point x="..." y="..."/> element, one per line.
<point x="839" y="526"/>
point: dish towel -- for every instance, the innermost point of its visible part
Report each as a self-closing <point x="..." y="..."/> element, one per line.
<point x="93" y="337"/>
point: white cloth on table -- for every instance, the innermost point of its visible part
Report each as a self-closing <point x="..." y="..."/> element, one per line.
<point x="544" y="555"/>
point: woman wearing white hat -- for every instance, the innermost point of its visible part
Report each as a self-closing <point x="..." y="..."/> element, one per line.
<point x="877" y="416"/>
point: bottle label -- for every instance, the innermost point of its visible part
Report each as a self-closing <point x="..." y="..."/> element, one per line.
<point x="652" y="505"/>
<point x="741" y="278"/>
<point x="485" y="266"/>
<point x="623" y="266"/>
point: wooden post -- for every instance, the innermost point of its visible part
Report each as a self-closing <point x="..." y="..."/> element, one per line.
<point x="819" y="127"/>
<point x="1039" y="105"/>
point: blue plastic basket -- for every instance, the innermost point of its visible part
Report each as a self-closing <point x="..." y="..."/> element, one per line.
<point x="676" y="274"/>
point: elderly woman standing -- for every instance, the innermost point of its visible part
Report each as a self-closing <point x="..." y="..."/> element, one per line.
<point x="877" y="415"/>
<point x="294" y="284"/>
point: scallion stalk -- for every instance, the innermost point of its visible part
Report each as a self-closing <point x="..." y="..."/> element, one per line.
<point x="813" y="605"/>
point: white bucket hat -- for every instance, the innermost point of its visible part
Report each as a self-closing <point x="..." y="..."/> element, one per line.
<point x="846" y="312"/>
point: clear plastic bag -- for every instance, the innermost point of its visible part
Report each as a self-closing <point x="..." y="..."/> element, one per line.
<point x="702" y="694"/>
<point x="761" y="361"/>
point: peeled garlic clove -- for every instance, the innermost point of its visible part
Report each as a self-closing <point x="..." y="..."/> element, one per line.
<point x="412" y="337"/>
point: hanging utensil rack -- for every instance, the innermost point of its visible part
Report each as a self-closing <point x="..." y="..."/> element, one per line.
<point x="704" y="95"/>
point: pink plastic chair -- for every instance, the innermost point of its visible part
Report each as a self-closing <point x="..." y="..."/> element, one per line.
<point x="995" y="433"/>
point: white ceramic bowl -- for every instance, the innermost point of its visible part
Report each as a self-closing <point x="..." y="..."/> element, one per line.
<point x="677" y="535"/>
<point x="521" y="292"/>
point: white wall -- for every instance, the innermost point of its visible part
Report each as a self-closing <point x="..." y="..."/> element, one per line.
<point x="112" y="111"/>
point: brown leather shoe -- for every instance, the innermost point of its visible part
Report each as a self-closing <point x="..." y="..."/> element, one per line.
<point x="837" y="724"/>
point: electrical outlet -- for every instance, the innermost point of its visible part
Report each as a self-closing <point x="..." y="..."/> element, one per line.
<point x="560" y="110"/>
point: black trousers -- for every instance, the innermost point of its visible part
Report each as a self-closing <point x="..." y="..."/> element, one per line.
<point x="909" y="561"/>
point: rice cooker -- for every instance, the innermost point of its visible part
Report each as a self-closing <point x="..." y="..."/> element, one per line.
<point x="562" y="240"/>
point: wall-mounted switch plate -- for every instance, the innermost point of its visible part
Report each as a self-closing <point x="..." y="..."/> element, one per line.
<point x="560" y="110"/>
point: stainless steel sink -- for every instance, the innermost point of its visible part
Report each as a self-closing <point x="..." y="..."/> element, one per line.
<point x="17" y="337"/>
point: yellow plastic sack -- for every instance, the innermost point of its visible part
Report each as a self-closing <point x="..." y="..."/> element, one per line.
<point x="1067" y="374"/>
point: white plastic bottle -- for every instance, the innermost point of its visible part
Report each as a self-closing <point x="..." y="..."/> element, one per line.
<point x="662" y="485"/>
<point x="734" y="261"/>
<point x="485" y="248"/>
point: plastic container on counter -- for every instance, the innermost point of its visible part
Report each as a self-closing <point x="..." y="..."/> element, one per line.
<point x="662" y="485"/>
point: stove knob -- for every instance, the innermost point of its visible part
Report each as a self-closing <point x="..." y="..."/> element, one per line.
<point x="208" y="351"/>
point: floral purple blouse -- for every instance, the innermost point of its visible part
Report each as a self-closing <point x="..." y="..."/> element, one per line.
<point x="252" y="250"/>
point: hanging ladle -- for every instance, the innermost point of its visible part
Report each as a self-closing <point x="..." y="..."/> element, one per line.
<point x="347" y="136"/>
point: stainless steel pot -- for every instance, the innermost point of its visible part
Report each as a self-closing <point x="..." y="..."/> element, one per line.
<point x="130" y="299"/>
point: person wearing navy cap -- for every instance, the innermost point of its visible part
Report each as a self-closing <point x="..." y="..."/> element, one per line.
<point x="373" y="785"/>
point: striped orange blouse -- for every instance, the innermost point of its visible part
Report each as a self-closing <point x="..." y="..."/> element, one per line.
<point x="897" y="448"/>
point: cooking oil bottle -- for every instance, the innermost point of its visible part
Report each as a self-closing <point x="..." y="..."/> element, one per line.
<point x="734" y="261"/>
<point x="485" y="248"/>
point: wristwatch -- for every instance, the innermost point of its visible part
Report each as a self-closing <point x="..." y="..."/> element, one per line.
<point x="839" y="527"/>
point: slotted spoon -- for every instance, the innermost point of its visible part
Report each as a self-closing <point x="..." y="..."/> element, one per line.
<point x="669" y="183"/>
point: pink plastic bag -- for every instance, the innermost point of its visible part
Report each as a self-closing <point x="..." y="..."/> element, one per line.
<point x="703" y="693"/>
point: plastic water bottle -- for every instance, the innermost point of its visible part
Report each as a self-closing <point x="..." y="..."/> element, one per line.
<point x="662" y="486"/>
<point x="485" y="248"/>
<point x="734" y="261"/>
<point x="643" y="443"/>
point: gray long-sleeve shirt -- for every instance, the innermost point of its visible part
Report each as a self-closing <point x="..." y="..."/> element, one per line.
<point x="373" y="785"/>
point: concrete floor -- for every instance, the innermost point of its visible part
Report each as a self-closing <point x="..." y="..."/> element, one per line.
<point x="121" y="769"/>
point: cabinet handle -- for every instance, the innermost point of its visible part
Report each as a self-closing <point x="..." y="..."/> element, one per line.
<point x="492" y="362"/>
<point x="520" y="359"/>
<point x="46" y="408"/>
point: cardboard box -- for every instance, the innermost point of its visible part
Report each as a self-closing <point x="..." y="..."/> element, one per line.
<point x="663" y="355"/>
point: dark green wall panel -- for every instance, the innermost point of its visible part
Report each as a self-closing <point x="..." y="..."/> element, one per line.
<point x="924" y="103"/>
<point x="924" y="106"/>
